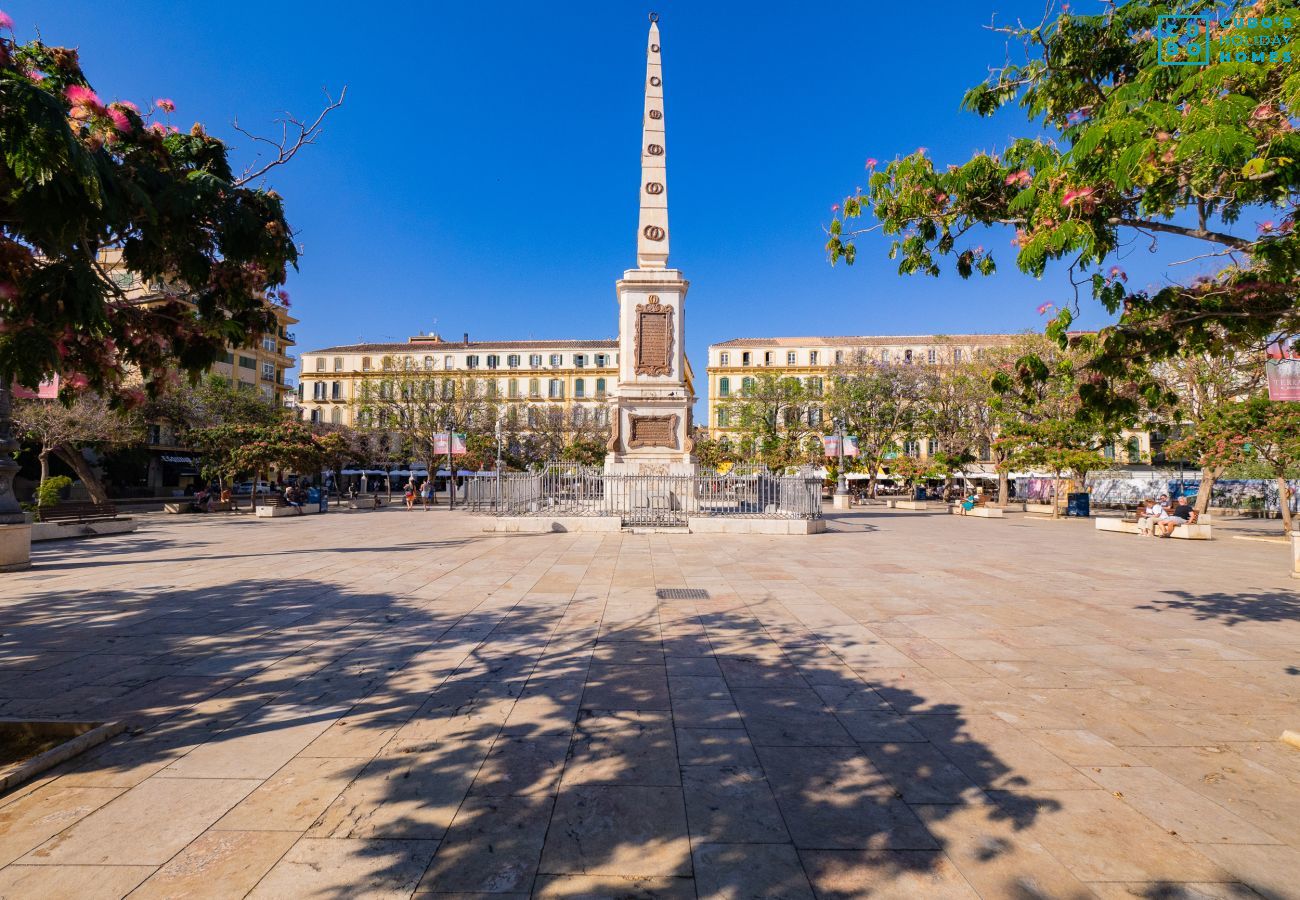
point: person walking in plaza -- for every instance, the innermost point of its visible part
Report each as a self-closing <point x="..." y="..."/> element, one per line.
<point x="426" y="492"/>
<point x="409" y="495"/>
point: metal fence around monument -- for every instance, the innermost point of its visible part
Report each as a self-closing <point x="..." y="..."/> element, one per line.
<point x="658" y="499"/>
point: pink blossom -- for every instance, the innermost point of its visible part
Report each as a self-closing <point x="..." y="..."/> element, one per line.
<point x="1264" y="227"/>
<point x="119" y="119"/>
<point x="165" y="104"/>
<point x="1020" y="179"/>
<point x="6" y="21"/>
<point x="1044" y="307"/>
<point x="83" y="97"/>
<point x="1263" y="111"/>
<point x="1073" y="195"/>
<point x="172" y="129"/>
<point x="127" y="104"/>
<point x="1117" y="272"/>
<point x="284" y="297"/>
<point x="921" y="151"/>
<point x="158" y="128"/>
<point x="35" y="76"/>
<point x="77" y="381"/>
<point x="835" y="207"/>
<point x="872" y="162"/>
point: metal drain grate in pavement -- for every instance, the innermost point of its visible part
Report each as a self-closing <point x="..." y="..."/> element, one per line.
<point x="682" y="594"/>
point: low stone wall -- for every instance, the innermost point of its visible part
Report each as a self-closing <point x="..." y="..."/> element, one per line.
<point x="544" y="524"/>
<point x="709" y="525"/>
<point x="281" y="512"/>
<point x="1202" y="531"/>
<point x="15" y="547"/>
<point x="979" y="512"/>
<point x="54" y="531"/>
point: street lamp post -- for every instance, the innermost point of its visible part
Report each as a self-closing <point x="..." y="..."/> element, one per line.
<point x="451" y="473"/>
<point x="841" y="499"/>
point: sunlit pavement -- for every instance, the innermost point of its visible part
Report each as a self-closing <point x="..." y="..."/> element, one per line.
<point x="915" y="705"/>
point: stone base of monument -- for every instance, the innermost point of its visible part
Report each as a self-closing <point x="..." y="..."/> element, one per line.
<point x="841" y="501"/>
<point x="544" y="524"/>
<point x="15" y="547"/>
<point x="708" y="525"/>
<point x="614" y="524"/>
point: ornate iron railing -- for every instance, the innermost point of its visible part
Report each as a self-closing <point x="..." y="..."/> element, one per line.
<point x="564" y="490"/>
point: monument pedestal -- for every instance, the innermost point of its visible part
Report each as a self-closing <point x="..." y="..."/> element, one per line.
<point x="15" y="547"/>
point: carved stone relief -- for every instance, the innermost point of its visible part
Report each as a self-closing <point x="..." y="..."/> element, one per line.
<point x="652" y="431"/>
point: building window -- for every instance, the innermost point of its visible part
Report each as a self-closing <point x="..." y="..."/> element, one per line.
<point x="534" y="388"/>
<point x="320" y="362"/>
<point x="815" y="386"/>
<point x="155" y="434"/>
<point x="931" y="447"/>
<point x="602" y="360"/>
<point x="493" y="361"/>
<point x="600" y="389"/>
<point x="556" y="360"/>
<point x="884" y="355"/>
<point x="724" y="359"/>
<point x="228" y="359"/>
<point x="512" y="388"/>
<point x="579" y="416"/>
<point x="268" y="371"/>
<point x="534" y="360"/>
<point x="428" y="363"/>
<point x="449" y="362"/>
<point x="300" y="385"/>
<point x="268" y="344"/>
<point x="338" y="364"/>
<point x="247" y="362"/>
<point x="746" y="386"/>
<point x="315" y="416"/>
<point x="448" y="389"/>
<point x="839" y="357"/>
<point x="724" y="386"/>
<point x="956" y="356"/>
<point x="812" y="357"/>
<point x="336" y="415"/>
<point x="724" y="418"/>
<point x="912" y="448"/>
<point x="513" y="360"/>
<point x="932" y="356"/>
<point x="555" y="389"/>
<point x="579" y="360"/>
<point x="907" y="357"/>
<point x="365" y="364"/>
<point x="471" y="361"/>
<point x="767" y="357"/>
<point x="336" y="390"/>
<point x="492" y="388"/>
<point x="318" y="390"/>
<point x="579" y="387"/>
<point x="791" y="358"/>
<point x="745" y="358"/>
<point x="814" y="416"/>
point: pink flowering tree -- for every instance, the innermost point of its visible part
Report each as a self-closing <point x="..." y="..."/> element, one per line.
<point x="92" y="188"/>
<point x="1121" y="151"/>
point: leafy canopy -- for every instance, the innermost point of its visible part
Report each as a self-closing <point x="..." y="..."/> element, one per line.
<point x="1122" y="149"/>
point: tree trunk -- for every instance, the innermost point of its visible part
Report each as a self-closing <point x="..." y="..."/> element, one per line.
<point x="1056" y="496"/>
<point x="1209" y="475"/>
<point x="1004" y="488"/>
<point x="1284" y="503"/>
<point x="44" y="457"/>
<point x="87" y="475"/>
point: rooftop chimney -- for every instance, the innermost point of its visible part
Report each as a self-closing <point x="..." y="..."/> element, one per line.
<point x="467" y="339"/>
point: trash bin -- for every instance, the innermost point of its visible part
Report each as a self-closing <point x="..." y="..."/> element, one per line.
<point x="1077" y="505"/>
<point x="920" y="493"/>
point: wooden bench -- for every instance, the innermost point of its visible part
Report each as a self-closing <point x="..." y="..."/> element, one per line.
<point x="79" y="510"/>
<point x="1201" y="531"/>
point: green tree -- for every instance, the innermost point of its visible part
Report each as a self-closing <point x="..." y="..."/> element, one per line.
<point x="877" y="402"/>
<point x="777" y="416"/>
<point x="1121" y="148"/>
<point x="1061" y="446"/>
<point x="230" y="451"/>
<point x="65" y="429"/>
<point x="83" y="182"/>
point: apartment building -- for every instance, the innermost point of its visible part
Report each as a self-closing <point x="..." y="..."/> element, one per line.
<point x="733" y="364"/>
<point x="577" y="376"/>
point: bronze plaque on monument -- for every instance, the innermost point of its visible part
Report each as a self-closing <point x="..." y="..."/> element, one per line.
<point x="652" y="431"/>
<point x="654" y="338"/>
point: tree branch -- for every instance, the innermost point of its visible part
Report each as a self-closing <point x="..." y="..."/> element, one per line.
<point x="1217" y="237"/>
<point x="288" y="146"/>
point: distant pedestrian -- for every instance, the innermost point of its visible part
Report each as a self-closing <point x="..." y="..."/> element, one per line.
<point x="409" y="495"/>
<point x="426" y="492"/>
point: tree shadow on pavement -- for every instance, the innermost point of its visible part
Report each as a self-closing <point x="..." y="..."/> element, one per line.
<point x="1233" y="609"/>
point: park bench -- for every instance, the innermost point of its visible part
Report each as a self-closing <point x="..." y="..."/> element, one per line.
<point x="275" y="507"/>
<point x="78" y="510"/>
<point x="904" y="503"/>
<point x="1200" y="531"/>
<point x="187" y="506"/>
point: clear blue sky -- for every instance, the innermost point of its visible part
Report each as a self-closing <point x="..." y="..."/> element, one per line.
<point x="483" y="175"/>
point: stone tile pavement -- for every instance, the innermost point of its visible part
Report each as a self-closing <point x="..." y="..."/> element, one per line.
<point x="913" y="705"/>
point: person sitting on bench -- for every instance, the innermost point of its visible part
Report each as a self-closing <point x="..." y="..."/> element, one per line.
<point x="1181" y="514"/>
<point x="293" y="497"/>
<point x="1149" y="516"/>
<point x="972" y="500"/>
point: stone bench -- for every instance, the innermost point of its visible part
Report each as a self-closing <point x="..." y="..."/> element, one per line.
<point x="280" y="512"/>
<point x="1201" y="531"/>
<point x="1044" y="509"/>
<point x="895" y="503"/>
<point x="979" y="512"/>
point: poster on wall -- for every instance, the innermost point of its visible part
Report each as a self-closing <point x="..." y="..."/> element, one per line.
<point x="457" y="443"/>
<point x="1282" y="367"/>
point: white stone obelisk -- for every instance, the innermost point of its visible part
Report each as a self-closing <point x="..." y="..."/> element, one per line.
<point x="651" y="415"/>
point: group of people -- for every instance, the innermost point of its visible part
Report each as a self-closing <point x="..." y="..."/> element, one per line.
<point x="424" y="491"/>
<point x="206" y="496"/>
<point x="1159" y="517"/>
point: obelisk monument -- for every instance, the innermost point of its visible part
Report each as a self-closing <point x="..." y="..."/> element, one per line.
<point x="651" y="418"/>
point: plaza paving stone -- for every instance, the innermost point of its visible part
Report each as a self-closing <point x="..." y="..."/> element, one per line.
<point x="389" y="704"/>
